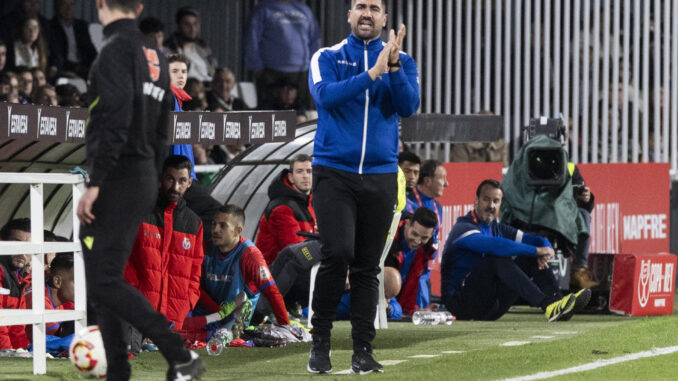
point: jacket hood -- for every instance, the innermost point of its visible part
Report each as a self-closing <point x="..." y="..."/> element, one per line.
<point x="281" y="187"/>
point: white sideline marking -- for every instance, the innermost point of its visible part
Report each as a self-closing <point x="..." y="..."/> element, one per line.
<point x="566" y="333"/>
<point x="597" y="364"/>
<point x="347" y="371"/>
<point x="543" y="337"/>
<point x="514" y="343"/>
<point x="391" y="362"/>
<point x="423" y="356"/>
<point x="452" y="352"/>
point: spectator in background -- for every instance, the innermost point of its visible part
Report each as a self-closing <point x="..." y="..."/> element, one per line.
<point x="69" y="96"/>
<point x="10" y="23"/>
<point x="223" y="153"/>
<point x="410" y="164"/>
<point x="29" y="48"/>
<point x="38" y="78"/>
<point x="70" y="45"/>
<point x="284" y="96"/>
<point x="179" y="65"/>
<point x="166" y="261"/>
<point x="289" y="209"/>
<point x="154" y="29"/>
<point x="14" y="282"/>
<point x="186" y="40"/>
<point x="25" y="84"/>
<point x="9" y="83"/>
<point x="46" y="96"/>
<point x="196" y="90"/>
<point x="3" y="56"/>
<point x="223" y="83"/>
<point x="281" y="38"/>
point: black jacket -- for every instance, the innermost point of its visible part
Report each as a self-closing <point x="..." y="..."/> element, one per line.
<point x="131" y="99"/>
<point x="578" y="185"/>
<point x="58" y="44"/>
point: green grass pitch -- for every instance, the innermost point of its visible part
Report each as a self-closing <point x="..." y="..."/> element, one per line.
<point x="418" y="352"/>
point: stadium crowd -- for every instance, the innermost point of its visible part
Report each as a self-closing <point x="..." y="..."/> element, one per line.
<point x="190" y="259"/>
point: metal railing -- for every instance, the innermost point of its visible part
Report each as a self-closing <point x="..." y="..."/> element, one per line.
<point x="609" y="66"/>
<point x="36" y="248"/>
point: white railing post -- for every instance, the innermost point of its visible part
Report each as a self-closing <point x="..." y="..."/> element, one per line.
<point x="38" y="279"/>
<point x="37" y="316"/>
<point x="78" y="262"/>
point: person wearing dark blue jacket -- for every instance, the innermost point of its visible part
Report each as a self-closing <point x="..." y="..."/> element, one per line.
<point x="361" y="87"/>
<point x="481" y="280"/>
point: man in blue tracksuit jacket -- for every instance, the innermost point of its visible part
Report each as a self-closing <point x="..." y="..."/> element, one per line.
<point x="480" y="278"/>
<point x="361" y="87"/>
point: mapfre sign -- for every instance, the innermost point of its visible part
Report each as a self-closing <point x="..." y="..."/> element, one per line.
<point x="643" y="284"/>
<point x="631" y="213"/>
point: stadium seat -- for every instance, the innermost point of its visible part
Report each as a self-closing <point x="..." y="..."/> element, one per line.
<point x="79" y="83"/>
<point x="96" y="33"/>
<point x="380" y="321"/>
<point x="247" y="92"/>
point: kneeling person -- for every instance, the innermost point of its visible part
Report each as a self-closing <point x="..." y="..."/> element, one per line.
<point x="480" y="280"/>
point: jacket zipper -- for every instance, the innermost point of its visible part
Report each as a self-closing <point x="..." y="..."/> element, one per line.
<point x="367" y="103"/>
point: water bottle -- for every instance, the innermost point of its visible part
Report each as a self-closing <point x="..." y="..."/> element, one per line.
<point x="216" y="344"/>
<point x="432" y="318"/>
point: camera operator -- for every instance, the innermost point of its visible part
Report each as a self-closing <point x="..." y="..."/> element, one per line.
<point x="581" y="276"/>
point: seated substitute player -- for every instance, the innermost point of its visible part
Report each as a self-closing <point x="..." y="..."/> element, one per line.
<point x="166" y="261"/>
<point x="232" y="265"/>
<point x="289" y="209"/>
<point x="410" y="253"/>
<point x="481" y="281"/>
<point x="14" y="282"/>
<point x="59" y="292"/>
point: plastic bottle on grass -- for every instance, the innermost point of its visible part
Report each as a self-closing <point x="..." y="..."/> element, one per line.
<point x="432" y="318"/>
<point x="220" y="340"/>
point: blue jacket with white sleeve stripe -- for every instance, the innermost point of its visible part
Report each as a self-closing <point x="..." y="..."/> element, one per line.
<point x="358" y="117"/>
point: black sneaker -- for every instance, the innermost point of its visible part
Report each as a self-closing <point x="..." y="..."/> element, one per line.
<point x="319" y="358"/>
<point x="364" y="363"/>
<point x="191" y="370"/>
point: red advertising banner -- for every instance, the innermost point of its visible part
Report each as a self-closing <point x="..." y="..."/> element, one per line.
<point x="643" y="284"/>
<point x="631" y="213"/>
<point x="457" y="200"/>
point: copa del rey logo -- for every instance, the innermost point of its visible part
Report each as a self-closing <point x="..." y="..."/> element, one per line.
<point x="655" y="278"/>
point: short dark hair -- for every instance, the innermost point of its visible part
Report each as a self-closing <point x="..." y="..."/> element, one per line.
<point x="179" y="58"/>
<point x="61" y="262"/>
<point x="185" y="11"/>
<point x="300" y="158"/>
<point x="177" y="162"/>
<point x="489" y="182"/>
<point x="425" y="217"/>
<point x="126" y="6"/>
<point x="428" y="169"/>
<point x="408" y="156"/>
<point x="149" y="25"/>
<point x="22" y="224"/>
<point x="234" y="211"/>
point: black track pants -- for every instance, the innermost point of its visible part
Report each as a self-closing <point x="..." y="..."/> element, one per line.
<point x="354" y="213"/>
